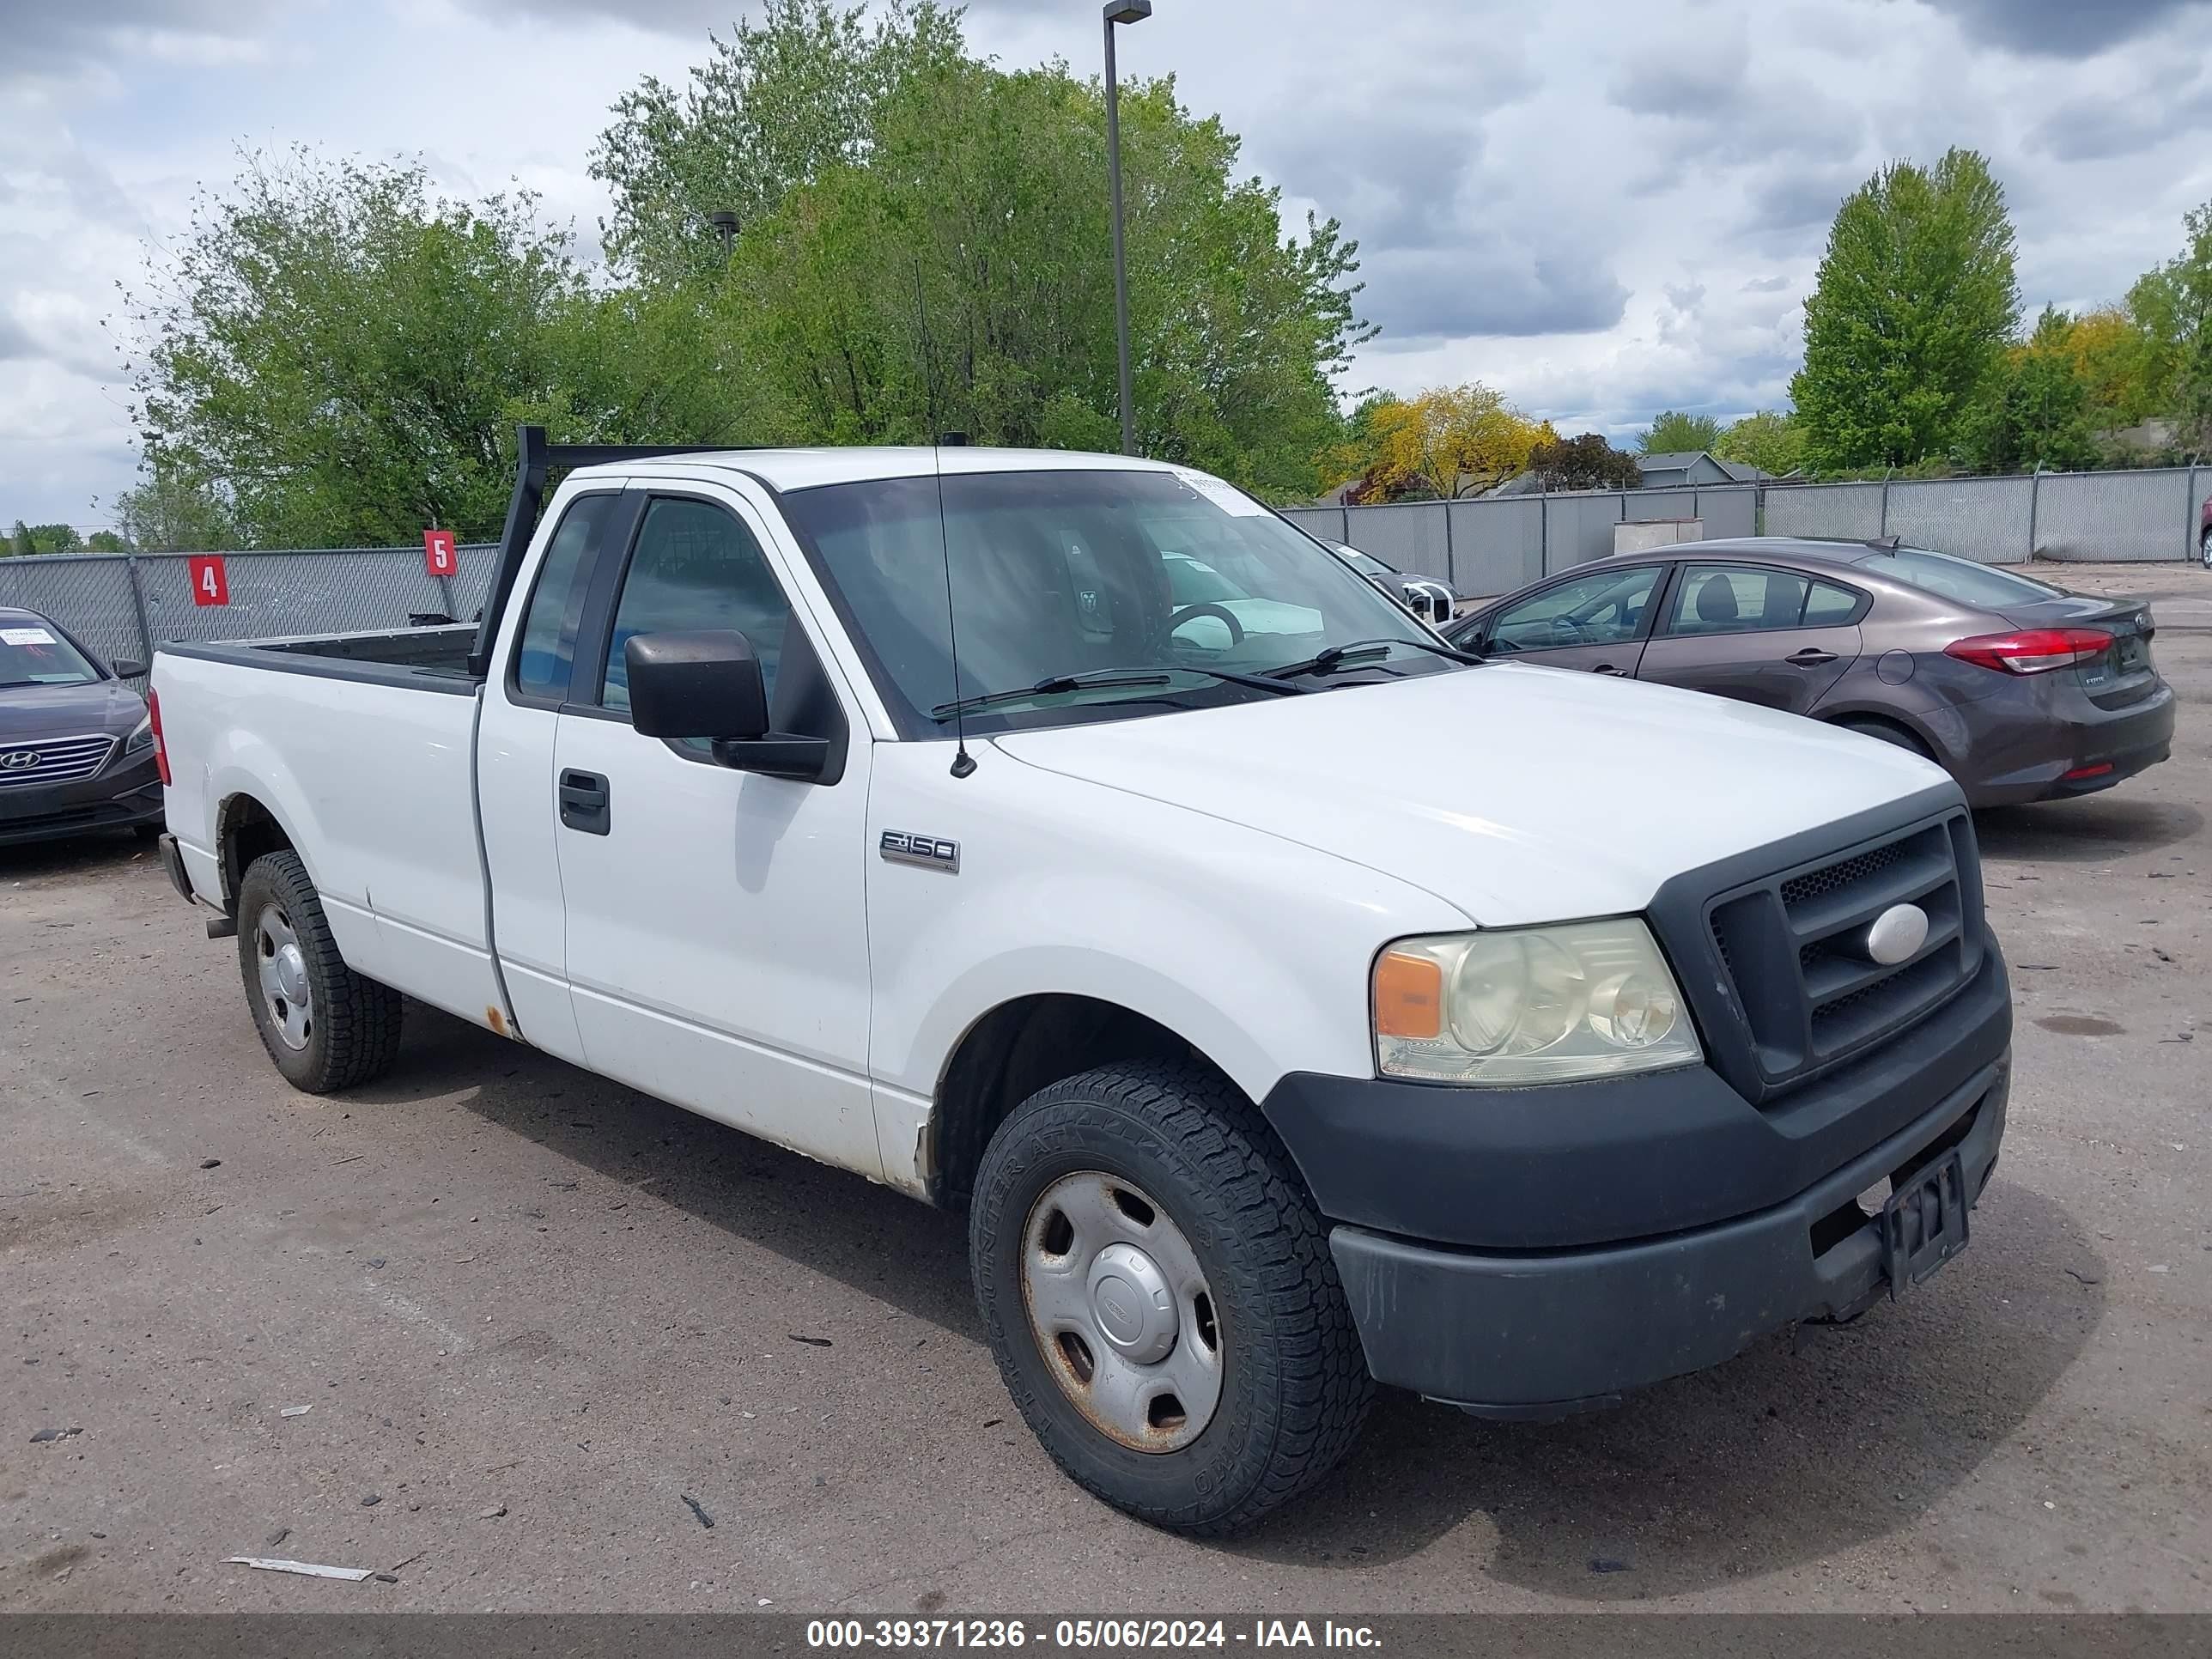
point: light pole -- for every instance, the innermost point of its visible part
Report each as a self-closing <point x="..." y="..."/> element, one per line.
<point x="726" y="226"/>
<point x="1119" y="11"/>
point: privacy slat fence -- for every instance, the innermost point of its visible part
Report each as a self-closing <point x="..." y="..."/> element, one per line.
<point x="1485" y="547"/>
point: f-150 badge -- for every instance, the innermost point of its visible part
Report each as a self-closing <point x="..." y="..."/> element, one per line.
<point x="928" y="851"/>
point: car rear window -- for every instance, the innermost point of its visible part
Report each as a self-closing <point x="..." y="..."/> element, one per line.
<point x="1958" y="579"/>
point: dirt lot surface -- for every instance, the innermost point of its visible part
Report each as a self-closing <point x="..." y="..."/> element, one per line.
<point x="515" y="1334"/>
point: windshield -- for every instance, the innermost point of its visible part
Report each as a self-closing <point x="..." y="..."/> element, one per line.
<point x="1959" y="578"/>
<point x="31" y="653"/>
<point x="1056" y="574"/>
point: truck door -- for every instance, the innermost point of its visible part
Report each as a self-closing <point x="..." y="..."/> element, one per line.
<point x="716" y="943"/>
<point x="515" y="737"/>
<point x="1756" y="633"/>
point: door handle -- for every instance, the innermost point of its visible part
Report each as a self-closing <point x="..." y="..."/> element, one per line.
<point x="584" y="803"/>
<point x="1608" y="668"/>
<point x="1811" y="657"/>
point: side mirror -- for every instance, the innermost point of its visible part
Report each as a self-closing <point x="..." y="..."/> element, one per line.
<point x="707" y="684"/>
<point x="704" y="684"/>
<point x="127" y="668"/>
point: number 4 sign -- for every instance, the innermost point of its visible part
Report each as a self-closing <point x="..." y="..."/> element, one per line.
<point x="438" y="556"/>
<point x="210" y="578"/>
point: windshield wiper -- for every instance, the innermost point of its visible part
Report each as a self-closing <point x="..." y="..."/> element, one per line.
<point x="1328" y="661"/>
<point x="1053" y="684"/>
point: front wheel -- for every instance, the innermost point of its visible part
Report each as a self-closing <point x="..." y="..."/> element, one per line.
<point x="326" y="1026"/>
<point x="1160" y="1297"/>
<point x="2205" y="549"/>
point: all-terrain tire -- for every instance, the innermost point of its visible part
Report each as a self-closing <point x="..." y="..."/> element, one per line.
<point x="353" y="1036"/>
<point x="1294" y="1388"/>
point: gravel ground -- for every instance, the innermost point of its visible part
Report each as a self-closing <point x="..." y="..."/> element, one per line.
<point x="516" y="1335"/>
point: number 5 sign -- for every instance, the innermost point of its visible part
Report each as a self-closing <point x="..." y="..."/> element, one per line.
<point x="438" y="556"/>
<point x="210" y="580"/>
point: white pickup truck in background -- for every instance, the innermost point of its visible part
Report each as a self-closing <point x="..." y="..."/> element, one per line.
<point x="1291" y="1002"/>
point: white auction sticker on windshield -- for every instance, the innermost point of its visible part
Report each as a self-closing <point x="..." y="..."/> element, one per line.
<point x="25" y="636"/>
<point x="1230" y="499"/>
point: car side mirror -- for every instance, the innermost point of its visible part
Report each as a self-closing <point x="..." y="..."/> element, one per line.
<point x="707" y="684"/>
<point x="703" y="685"/>
<point x="127" y="668"/>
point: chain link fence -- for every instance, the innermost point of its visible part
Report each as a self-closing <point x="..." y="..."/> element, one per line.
<point x="123" y="605"/>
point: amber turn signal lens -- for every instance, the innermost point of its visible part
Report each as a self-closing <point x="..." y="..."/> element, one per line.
<point x="1409" y="996"/>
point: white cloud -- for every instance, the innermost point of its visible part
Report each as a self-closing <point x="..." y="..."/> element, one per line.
<point x="1604" y="208"/>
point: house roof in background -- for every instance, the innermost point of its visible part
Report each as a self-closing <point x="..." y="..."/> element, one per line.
<point x="1681" y="460"/>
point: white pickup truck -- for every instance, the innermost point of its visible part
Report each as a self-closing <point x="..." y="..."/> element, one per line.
<point x="1291" y="1002"/>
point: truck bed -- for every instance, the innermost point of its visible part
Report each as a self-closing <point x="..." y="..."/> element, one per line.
<point x="433" y="659"/>
<point x="372" y="780"/>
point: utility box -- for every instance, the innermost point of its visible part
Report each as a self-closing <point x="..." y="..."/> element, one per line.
<point x="1641" y="535"/>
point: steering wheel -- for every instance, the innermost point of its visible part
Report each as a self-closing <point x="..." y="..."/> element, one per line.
<point x="1191" y="612"/>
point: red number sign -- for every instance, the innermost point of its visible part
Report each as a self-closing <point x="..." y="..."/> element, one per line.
<point x="438" y="556"/>
<point x="210" y="581"/>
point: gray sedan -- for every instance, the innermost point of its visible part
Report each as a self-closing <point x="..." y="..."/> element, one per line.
<point x="77" y="744"/>
<point x="2022" y="691"/>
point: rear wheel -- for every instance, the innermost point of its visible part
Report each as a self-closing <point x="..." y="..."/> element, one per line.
<point x="2205" y="549"/>
<point x="324" y="1026"/>
<point x="1160" y="1297"/>
<point x="1890" y="735"/>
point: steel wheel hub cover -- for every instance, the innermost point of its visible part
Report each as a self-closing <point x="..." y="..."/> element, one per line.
<point x="1130" y="1301"/>
<point x="1124" y="1317"/>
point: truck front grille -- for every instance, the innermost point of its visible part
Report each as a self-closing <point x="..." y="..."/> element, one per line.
<point x="1793" y="947"/>
<point x="53" y="759"/>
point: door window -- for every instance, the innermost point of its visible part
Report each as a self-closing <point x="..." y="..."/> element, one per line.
<point x="1830" y="606"/>
<point x="696" y="565"/>
<point x="1715" y="599"/>
<point x="1603" y="608"/>
<point x="547" y="649"/>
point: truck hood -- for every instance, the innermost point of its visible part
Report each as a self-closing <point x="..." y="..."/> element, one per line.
<point x="1518" y="794"/>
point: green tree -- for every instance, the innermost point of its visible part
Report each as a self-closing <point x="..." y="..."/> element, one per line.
<point x="174" y="508"/>
<point x="1675" y="433"/>
<point x="777" y="105"/>
<point x="959" y="280"/>
<point x="345" y="357"/>
<point x="1771" y="440"/>
<point x="106" y="541"/>
<point x="1587" y="462"/>
<point x="2039" y="414"/>
<point x="1906" y="328"/>
<point x="2171" y="307"/>
<point x="29" y="538"/>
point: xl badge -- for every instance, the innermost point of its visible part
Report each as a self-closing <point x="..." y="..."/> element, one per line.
<point x="928" y="851"/>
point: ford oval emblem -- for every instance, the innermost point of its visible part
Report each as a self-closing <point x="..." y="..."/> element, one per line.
<point x="1897" y="934"/>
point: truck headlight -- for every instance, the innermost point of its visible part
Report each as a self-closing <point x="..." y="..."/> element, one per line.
<point x="1529" y="1004"/>
<point x="142" y="737"/>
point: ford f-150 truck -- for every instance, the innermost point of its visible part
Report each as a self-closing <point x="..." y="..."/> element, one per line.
<point x="1291" y="1002"/>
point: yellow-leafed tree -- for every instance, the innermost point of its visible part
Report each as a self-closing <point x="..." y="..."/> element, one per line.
<point x="1450" y="440"/>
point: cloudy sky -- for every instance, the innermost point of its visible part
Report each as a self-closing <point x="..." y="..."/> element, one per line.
<point x="1604" y="207"/>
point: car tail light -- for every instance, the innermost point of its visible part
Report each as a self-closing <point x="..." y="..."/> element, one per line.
<point x="160" y="749"/>
<point x="2032" y="650"/>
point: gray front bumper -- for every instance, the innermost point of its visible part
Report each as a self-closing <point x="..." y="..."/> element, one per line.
<point x="1532" y="1334"/>
<point x="123" y="793"/>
